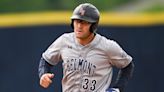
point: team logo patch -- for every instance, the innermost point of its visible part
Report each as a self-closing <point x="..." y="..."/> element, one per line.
<point x="82" y="11"/>
<point x="69" y="47"/>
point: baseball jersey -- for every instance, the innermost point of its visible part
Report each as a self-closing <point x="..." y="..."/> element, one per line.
<point x="86" y="68"/>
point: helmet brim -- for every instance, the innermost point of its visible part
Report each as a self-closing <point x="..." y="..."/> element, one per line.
<point x="83" y="18"/>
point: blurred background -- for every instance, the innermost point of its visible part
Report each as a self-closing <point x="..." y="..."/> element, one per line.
<point x="28" y="27"/>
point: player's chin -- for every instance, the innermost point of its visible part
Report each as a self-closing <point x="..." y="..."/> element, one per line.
<point x="79" y="37"/>
<point x="79" y="34"/>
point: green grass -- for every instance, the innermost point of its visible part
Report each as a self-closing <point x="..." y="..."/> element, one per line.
<point x="154" y="9"/>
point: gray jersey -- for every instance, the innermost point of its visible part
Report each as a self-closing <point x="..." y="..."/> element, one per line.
<point x="86" y="68"/>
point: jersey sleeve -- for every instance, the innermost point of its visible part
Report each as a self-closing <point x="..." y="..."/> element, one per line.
<point x="118" y="57"/>
<point x="52" y="54"/>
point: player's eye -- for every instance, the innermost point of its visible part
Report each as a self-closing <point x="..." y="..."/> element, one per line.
<point x="81" y="21"/>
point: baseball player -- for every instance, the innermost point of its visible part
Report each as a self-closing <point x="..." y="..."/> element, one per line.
<point x="87" y="57"/>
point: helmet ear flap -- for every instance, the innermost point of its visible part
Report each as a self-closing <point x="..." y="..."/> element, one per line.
<point x="93" y="27"/>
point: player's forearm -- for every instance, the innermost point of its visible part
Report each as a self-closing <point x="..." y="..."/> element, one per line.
<point x="123" y="76"/>
<point x="44" y="67"/>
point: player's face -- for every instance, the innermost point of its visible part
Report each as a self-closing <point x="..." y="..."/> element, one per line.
<point x="81" y="29"/>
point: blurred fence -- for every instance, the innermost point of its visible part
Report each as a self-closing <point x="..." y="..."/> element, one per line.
<point x="22" y="44"/>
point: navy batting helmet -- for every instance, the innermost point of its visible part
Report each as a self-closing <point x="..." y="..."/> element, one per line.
<point x="87" y="12"/>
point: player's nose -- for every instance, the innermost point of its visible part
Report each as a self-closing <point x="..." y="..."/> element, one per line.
<point x="79" y="25"/>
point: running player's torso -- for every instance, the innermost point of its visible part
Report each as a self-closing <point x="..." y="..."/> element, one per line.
<point x="86" y="68"/>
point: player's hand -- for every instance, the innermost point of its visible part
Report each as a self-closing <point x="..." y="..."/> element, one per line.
<point x="45" y="80"/>
<point x="113" y="90"/>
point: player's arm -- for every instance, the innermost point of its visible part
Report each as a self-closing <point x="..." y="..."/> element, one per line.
<point x="44" y="73"/>
<point x="123" y="77"/>
<point x="120" y="59"/>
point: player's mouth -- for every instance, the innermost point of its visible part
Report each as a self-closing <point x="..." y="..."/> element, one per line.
<point x="78" y="31"/>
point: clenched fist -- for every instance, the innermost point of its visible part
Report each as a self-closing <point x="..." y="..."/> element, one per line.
<point x="46" y="79"/>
